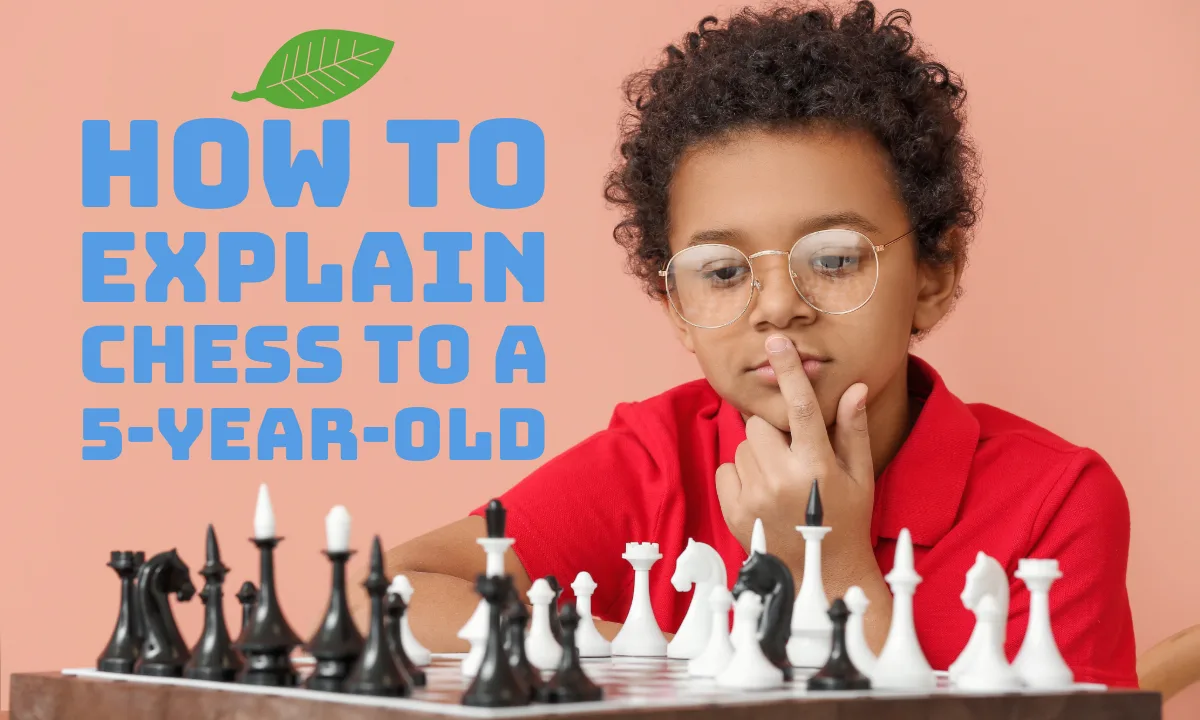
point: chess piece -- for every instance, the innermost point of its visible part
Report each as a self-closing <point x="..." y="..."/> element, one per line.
<point x="570" y="684"/>
<point x="812" y="632"/>
<point x="495" y="684"/>
<point x="163" y="653"/>
<point x="1039" y="662"/>
<point x="902" y="664"/>
<point x="555" y="623"/>
<point x="719" y="650"/>
<point x="416" y="652"/>
<point x="213" y="658"/>
<point x="839" y="672"/>
<point x="337" y="642"/>
<point x="767" y="576"/>
<point x="988" y="670"/>
<point x="986" y="577"/>
<point x="588" y="639"/>
<point x="269" y="643"/>
<point x="495" y="545"/>
<point x="395" y="608"/>
<point x="856" y="639"/>
<point x="701" y="566"/>
<point x="514" y="645"/>
<point x="125" y="645"/>
<point x="247" y="595"/>
<point x="640" y="636"/>
<point x="758" y="537"/>
<point x="377" y="671"/>
<point x="541" y="647"/>
<point x="749" y="668"/>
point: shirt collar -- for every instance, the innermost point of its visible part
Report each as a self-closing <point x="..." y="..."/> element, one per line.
<point x="922" y="487"/>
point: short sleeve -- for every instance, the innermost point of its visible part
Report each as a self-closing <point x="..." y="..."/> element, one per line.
<point x="1085" y="525"/>
<point x="576" y="512"/>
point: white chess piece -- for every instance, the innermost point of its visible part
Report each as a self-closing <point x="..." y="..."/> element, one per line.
<point x="749" y="668"/>
<point x="701" y="566"/>
<point x="587" y="638"/>
<point x="856" y="640"/>
<point x="540" y="646"/>
<point x="988" y="670"/>
<point x="812" y="630"/>
<point x="641" y="636"/>
<point x="475" y="631"/>
<point x="985" y="578"/>
<point x="719" y="650"/>
<point x="902" y="664"/>
<point x="758" y="538"/>
<point x="1039" y="662"/>
<point x="416" y="652"/>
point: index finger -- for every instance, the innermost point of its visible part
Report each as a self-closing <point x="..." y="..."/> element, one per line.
<point x="805" y="420"/>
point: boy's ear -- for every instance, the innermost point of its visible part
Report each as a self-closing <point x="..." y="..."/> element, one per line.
<point x="681" y="327"/>
<point x="937" y="287"/>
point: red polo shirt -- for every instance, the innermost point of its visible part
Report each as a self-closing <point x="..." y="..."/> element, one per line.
<point x="969" y="478"/>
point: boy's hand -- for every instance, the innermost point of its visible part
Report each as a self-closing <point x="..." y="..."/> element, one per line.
<point x="771" y="477"/>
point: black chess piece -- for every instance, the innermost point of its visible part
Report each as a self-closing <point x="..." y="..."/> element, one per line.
<point x="337" y="643"/>
<point x="377" y="672"/>
<point x="515" y="619"/>
<point x="247" y="595"/>
<point x="213" y="658"/>
<point x="163" y="653"/>
<point x="814" y="514"/>
<point x="839" y="672"/>
<point x="125" y="646"/>
<point x="555" y="621"/>
<point x="766" y="575"/>
<point x="268" y="642"/>
<point x="495" y="684"/>
<point x="570" y="683"/>
<point x="394" y="626"/>
<point x="496" y="517"/>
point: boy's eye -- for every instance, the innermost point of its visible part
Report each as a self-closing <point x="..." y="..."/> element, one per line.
<point x="834" y="263"/>
<point x="722" y="274"/>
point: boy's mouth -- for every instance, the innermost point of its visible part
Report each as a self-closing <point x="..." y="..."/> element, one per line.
<point x="812" y="365"/>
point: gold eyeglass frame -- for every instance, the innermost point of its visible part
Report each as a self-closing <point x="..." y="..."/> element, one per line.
<point x="756" y="285"/>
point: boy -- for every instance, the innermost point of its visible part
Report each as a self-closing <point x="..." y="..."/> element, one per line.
<point x="798" y="195"/>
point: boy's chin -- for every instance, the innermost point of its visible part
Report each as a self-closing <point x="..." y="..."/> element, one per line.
<point x="774" y="410"/>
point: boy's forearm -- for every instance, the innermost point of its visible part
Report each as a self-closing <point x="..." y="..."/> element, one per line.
<point x="441" y="605"/>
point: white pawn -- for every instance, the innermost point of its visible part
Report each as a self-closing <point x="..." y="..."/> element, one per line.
<point x="1038" y="662"/>
<point x="416" y="652"/>
<point x="749" y="668"/>
<point x="902" y="664"/>
<point x="700" y="566"/>
<point x="587" y="638"/>
<point x="540" y="646"/>
<point x="719" y="650"/>
<point x="989" y="670"/>
<point x="986" y="577"/>
<point x="641" y="636"/>
<point x="856" y="639"/>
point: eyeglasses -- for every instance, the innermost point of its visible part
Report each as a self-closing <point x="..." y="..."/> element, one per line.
<point x="835" y="272"/>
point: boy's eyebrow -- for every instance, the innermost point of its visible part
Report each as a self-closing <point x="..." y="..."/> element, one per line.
<point x="844" y="218"/>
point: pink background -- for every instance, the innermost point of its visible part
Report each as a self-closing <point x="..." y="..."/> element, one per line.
<point x="1077" y="316"/>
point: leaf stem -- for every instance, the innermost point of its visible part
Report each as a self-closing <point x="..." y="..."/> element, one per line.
<point x="247" y="96"/>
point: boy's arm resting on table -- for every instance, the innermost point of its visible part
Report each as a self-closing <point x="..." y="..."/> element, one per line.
<point x="442" y="566"/>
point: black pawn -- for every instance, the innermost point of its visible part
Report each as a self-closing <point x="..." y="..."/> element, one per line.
<point x="394" y="625"/>
<point x="814" y="514"/>
<point x="125" y="645"/>
<point x="555" y="621"/>
<point x="269" y="641"/>
<point x="495" y="685"/>
<point x="337" y="643"/>
<point x="569" y="683"/>
<point x="213" y="658"/>
<point x="247" y="595"/>
<point x="377" y="672"/>
<point x="516" y="617"/>
<point x="495" y="515"/>
<point x="839" y="672"/>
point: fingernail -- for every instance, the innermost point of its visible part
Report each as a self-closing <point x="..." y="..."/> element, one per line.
<point x="862" y="401"/>
<point x="778" y="343"/>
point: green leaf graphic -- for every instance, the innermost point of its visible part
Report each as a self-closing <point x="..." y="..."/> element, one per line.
<point x="319" y="66"/>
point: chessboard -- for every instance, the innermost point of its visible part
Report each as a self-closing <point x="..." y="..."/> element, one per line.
<point x="633" y="687"/>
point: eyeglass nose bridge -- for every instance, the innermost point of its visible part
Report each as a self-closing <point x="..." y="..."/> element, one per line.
<point x="755" y="282"/>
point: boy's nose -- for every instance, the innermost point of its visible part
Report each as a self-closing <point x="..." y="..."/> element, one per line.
<point x="776" y="301"/>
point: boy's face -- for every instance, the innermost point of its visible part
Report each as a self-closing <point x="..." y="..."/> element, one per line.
<point x="765" y="190"/>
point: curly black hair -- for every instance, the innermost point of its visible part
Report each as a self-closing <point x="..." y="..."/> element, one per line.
<point x="793" y="67"/>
